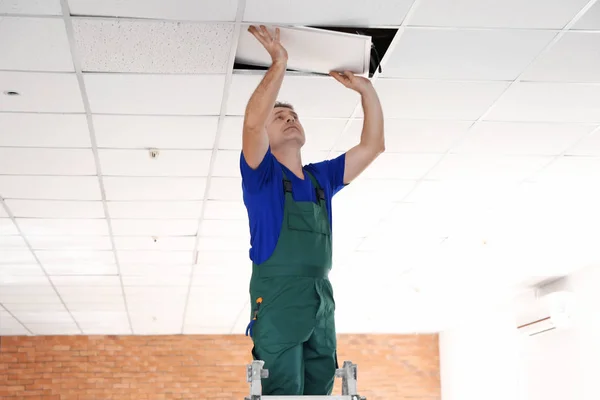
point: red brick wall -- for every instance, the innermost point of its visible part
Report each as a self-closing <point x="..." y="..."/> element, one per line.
<point x="196" y="367"/>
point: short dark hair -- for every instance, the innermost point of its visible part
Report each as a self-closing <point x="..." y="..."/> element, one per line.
<point x="283" y="104"/>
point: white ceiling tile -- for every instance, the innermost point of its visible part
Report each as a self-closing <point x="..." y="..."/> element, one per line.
<point x="164" y="243"/>
<point x="50" y="187"/>
<point x="552" y="102"/>
<point x="7" y="227"/>
<point x="456" y="194"/>
<point x="3" y="213"/>
<point x="154" y="188"/>
<point x="146" y="46"/>
<point x="334" y="99"/>
<point x="12" y="241"/>
<point x="591" y="19"/>
<point x="401" y="166"/>
<point x="154" y="94"/>
<point x="464" y="54"/>
<point x="40" y="7"/>
<point x="34" y="88"/>
<point x="63" y="227"/>
<point x="100" y="317"/>
<point x="223" y="243"/>
<point x="219" y="314"/>
<point x="92" y="295"/>
<point x="23" y="280"/>
<point x="233" y="274"/>
<point x="28" y="294"/>
<point x="209" y="258"/>
<point x="155" y="209"/>
<point x="513" y="138"/>
<point x="573" y="59"/>
<point x="168" y="163"/>
<point x="491" y="14"/>
<point x="11" y="327"/>
<point x="52" y="307"/>
<point x="487" y="167"/>
<point x="105" y="328"/>
<point x="154" y="227"/>
<point x="77" y="307"/>
<point x="225" y="189"/>
<point x="161" y="132"/>
<point x="174" y="9"/>
<point x="227" y="164"/>
<point x="331" y="13"/>
<point x="231" y="133"/>
<point x="83" y="281"/>
<point x="225" y="210"/>
<point x="157" y="280"/>
<point x="31" y="317"/>
<point x="589" y="146"/>
<point x="155" y="297"/>
<point x="155" y="257"/>
<point x="572" y="169"/>
<point x="75" y="242"/>
<point x="44" y="130"/>
<point x="34" y="44"/>
<point x="9" y="256"/>
<point x="81" y="269"/>
<point x="28" y="161"/>
<point x="312" y="156"/>
<point x="410" y="136"/>
<point x="46" y="329"/>
<point x="75" y="257"/>
<point x="56" y="209"/>
<point x="421" y="99"/>
<point x="155" y="270"/>
<point x="225" y="228"/>
<point x="204" y="329"/>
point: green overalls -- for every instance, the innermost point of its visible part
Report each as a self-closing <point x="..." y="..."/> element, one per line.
<point x="292" y="300"/>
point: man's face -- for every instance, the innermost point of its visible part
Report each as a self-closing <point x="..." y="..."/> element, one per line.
<point x="283" y="127"/>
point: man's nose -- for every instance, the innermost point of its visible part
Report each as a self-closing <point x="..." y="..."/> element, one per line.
<point x="290" y="119"/>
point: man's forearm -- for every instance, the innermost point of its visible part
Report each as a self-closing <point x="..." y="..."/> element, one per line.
<point x="264" y="97"/>
<point x="372" y="133"/>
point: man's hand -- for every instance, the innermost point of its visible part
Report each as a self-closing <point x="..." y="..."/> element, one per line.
<point x="357" y="83"/>
<point x="272" y="44"/>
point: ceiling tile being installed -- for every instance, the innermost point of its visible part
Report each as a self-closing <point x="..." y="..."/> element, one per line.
<point x="154" y="209"/>
<point x="190" y="10"/>
<point x="422" y="99"/>
<point x="552" y="102"/>
<point x="50" y="187"/>
<point x="161" y="132"/>
<point x="127" y="162"/>
<point x="113" y="45"/>
<point x="55" y="209"/>
<point x="464" y="54"/>
<point x="494" y="14"/>
<point x="30" y="161"/>
<point x="40" y="92"/>
<point x="154" y="188"/>
<point x="591" y="19"/>
<point x="154" y="94"/>
<point x="575" y="58"/>
<point x="34" y="44"/>
<point x="44" y="130"/>
<point x="311" y="96"/>
<point x="39" y="7"/>
<point x="330" y="13"/>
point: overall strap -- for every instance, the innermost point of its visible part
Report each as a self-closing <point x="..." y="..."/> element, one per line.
<point x="320" y="192"/>
<point x="287" y="184"/>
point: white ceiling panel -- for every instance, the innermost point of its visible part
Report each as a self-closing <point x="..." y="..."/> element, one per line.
<point x="401" y="166"/>
<point x="573" y="169"/>
<point x="54" y="329"/>
<point x="156" y="270"/>
<point x="28" y="294"/>
<point x="225" y="210"/>
<point x="362" y="191"/>
<point x="174" y="9"/>
<point x="331" y="13"/>
<point x="95" y="306"/>
<point x="333" y="99"/>
<point x="75" y="257"/>
<point x="573" y="59"/>
<point x="487" y="167"/>
<point x="11" y="241"/>
<point x="591" y="19"/>
<point x="514" y="138"/>
<point x="552" y="102"/>
<point x="225" y="189"/>
<point x="227" y="163"/>
<point x="23" y="280"/>
<point x="16" y="257"/>
<point x="76" y="242"/>
<point x="220" y="259"/>
<point x="19" y="269"/>
<point x="161" y="132"/>
<point x="10" y="326"/>
<point x="220" y="313"/>
<point x="34" y="44"/>
<point x="92" y="295"/>
<point x="28" y="161"/>
<point x="226" y="228"/>
<point x="51" y="307"/>
<point x="168" y="163"/>
<point x="154" y="94"/>
<point x="115" y="45"/>
<point x="589" y="146"/>
<point x="3" y="213"/>
<point x="34" y="88"/>
<point x="56" y="209"/>
<point x="50" y="187"/>
<point x="155" y="243"/>
<point x="465" y="54"/>
<point x="82" y="281"/>
<point x="62" y="227"/>
<point x="460" y="195"/>
<point x="223" y="243"/>
<point x="31" y="317"/>
<point x="44" y="130"/>
<point x="155" y="257"/>
<point x="437" y="99"/>
<point x="157" y="280"/>
<point x="231" y="133"/>
<point x="154" y="188"/>
<point x="81" y="269"/>
<point x="492" y="14"/>
<point x="7" y="227"/>
<point x="155" y="209"/>
<point x="40" y="7"/>
<point x="154" y="227"/>
<point x="410" y="136"/>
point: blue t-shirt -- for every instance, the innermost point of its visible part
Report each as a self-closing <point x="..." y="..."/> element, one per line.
<point x="264" y="196"/>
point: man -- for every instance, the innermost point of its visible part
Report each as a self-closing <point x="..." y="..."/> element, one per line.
<point x="289" y="209"/>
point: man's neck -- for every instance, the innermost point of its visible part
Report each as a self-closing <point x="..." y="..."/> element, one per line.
<point x="292" y="159"/>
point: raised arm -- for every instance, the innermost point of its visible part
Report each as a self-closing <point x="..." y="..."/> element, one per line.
<point x="372" y="142"/>
<point x="254" y="140"/>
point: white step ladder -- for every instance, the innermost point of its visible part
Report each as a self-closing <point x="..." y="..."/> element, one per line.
<point x="255" y="372"/>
